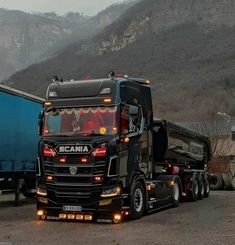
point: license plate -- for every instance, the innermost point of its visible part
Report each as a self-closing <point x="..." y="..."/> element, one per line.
<point x="72" y="208"/>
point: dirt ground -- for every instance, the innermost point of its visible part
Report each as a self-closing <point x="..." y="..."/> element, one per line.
<point x="210" y="221"/>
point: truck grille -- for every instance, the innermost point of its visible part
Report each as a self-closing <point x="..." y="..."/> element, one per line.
<point x="74" y="188"/>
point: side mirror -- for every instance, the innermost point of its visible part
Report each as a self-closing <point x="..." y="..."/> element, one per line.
<point x="133" y="110"/>
<point x="40" y="122"/>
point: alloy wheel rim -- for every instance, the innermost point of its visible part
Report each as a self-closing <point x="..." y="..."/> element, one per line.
<point x="203" y="189"/>
<point x="138" y="200"/>
<point x="196" y="187"/>
<point x="176" y="192"/>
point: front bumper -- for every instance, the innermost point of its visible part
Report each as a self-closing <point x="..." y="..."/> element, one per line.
<point x="104" y="210"/>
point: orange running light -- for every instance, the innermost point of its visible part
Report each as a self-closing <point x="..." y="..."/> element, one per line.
<point x="47" y="103"/>
<point x="71" y="216"/>
<point x="40" y="212"/>
<point x="108" y="100"/>
<point x="88" y="217"/>
<point x="49" y="178"/>
<point x="98" y="178"/>
<point x="62" y="160"/>
<point x="148" y="187"/>
<point x="79" y="217"/>
<point x="62" y="216"/>
<point x="84" y="160"/>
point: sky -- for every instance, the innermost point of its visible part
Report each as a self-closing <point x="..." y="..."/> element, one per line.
<point x="88" y="7"/>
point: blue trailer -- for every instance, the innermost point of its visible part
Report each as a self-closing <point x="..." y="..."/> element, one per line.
<point x="18" y="139"/>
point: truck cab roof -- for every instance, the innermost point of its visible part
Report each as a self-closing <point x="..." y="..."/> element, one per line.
<point x="91" y="92"/>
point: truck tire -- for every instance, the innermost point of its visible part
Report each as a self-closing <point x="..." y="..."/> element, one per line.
<point x="194" y="193"/>
<point x="207" y="187"/>
<point x="216" y="182"/>
<point x="26" y="193"/>
<point x="227" y="182"/>
<point x="202" y="186"/>
<point x="137" y="203"/>
<point x="176" y="194"/>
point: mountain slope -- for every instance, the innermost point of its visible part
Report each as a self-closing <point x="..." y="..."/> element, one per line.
<point x="187" y="48"/>
<point x="29" y="38"/>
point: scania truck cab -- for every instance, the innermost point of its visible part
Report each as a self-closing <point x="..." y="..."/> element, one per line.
<point x="103" y="157"/>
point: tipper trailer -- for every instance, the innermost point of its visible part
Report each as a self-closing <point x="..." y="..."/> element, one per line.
<point x="103" y="157"/>
<point x="18" y="140"/>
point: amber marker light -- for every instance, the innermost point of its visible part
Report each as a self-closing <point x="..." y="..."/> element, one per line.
<point x="40" y="212"/>
<point x="107" y="100"/>
<point x="84" y="160"/>
<point x="88" y="217"/>
<point x="171" y="183"/>
<point x="147" y="82"/>
<point x="79" y="216"/>
<point x="63" y="160"/>
<point x="148" y="187"/>
<point x="117" y="217"/>
<point x="115" y="130"/>
<point x="71" y="216"/>
<point x="125" y="140"/>
<point x="49" y="178"/>
<point x="62" y="216"/>
<point x="103" y="130"/>
<point x="98" y="178"/>
<point x="47" y="103"/>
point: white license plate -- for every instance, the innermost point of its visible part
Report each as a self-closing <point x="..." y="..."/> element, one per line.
<point x="72" y="208"/>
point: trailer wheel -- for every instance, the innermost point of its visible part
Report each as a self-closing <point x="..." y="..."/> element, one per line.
<point x="137" y="201"/>
<point x="176" y="194"/>
<point x="216" y="182"/>
<point x="194" y="193"/>
<point x="202" y="185"/>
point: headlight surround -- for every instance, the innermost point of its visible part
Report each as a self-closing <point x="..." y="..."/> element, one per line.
<point x="41" y="192"/>
<point x="111" y="192"/>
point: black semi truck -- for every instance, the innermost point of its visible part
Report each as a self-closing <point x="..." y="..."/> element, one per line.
<point x="103" y="157"/>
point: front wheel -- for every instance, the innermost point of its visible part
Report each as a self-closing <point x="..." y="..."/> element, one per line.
<point x="137" y="200"/>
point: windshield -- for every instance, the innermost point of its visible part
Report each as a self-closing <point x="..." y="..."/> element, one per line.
<point x="81" y="121"/>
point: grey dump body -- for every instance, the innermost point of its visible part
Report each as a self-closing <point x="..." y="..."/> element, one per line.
<point x="178" y="145"/>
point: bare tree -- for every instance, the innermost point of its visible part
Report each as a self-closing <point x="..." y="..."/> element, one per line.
<point x="217" y="130"/>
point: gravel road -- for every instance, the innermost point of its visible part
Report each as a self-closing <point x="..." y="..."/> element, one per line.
<point x="210" y="221"/>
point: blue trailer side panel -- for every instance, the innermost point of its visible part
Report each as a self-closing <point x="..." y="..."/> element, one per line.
<point x="18" y="133"/>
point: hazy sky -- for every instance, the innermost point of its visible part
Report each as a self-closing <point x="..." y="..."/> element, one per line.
<point x="88" y="7"/>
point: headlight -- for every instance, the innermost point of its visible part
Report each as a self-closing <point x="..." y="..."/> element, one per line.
<point x="111" y="192"/>
<point x="41" y="192"/>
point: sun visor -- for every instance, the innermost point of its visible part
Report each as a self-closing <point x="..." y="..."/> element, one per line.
<point x="73" y="89"/>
